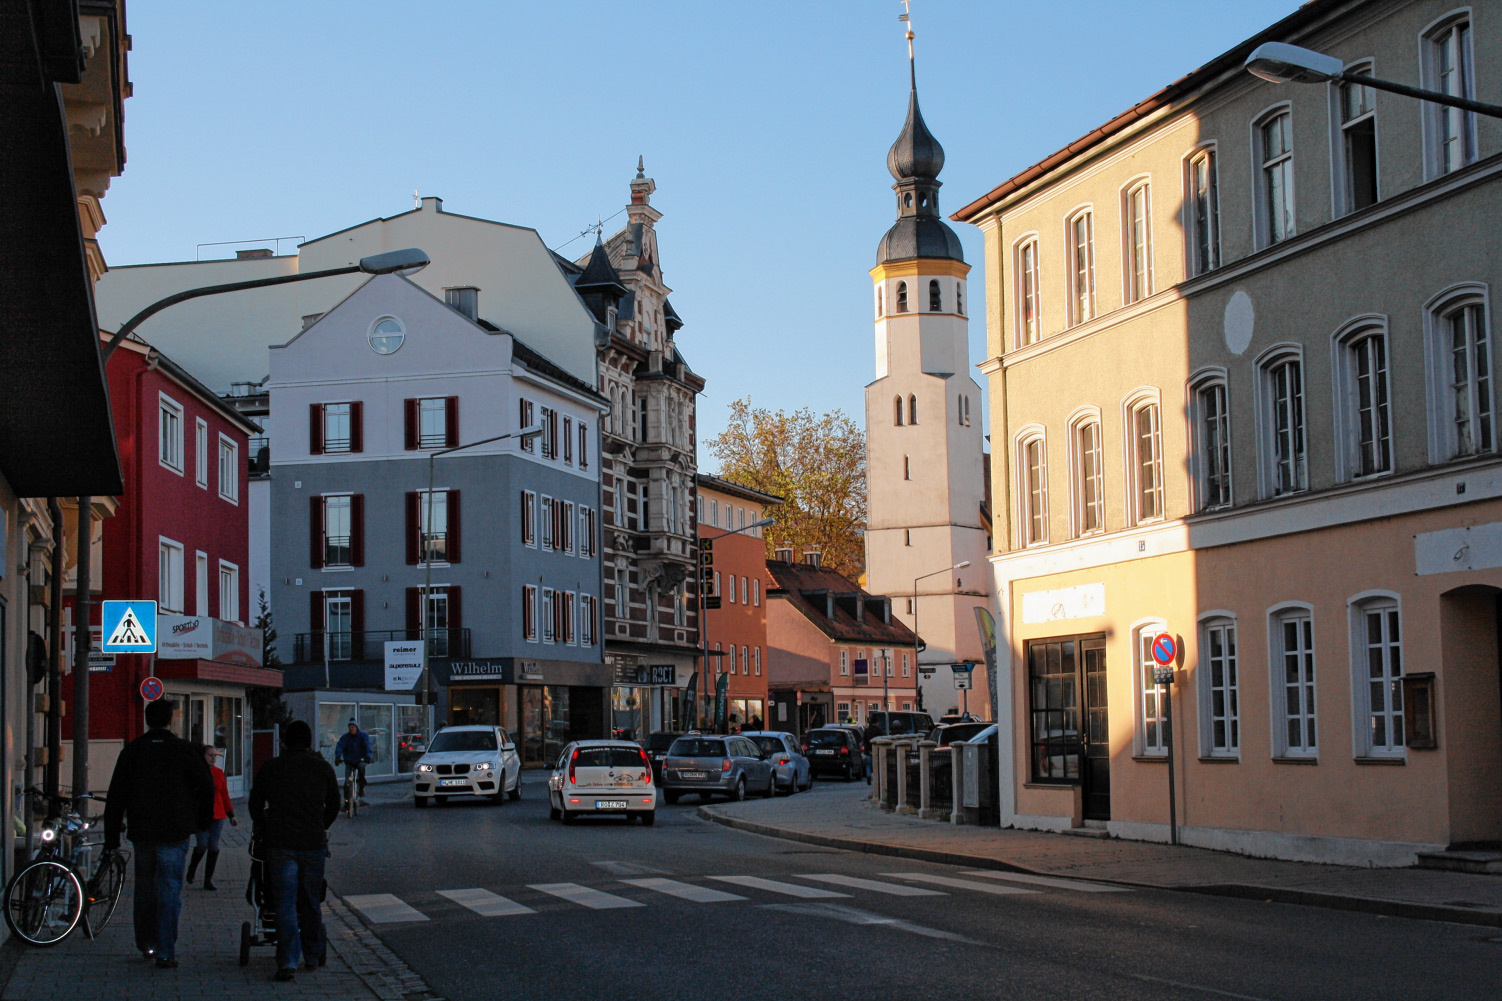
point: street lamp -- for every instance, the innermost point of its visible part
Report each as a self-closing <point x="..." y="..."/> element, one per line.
<point x="425" y="532"/>
<point x="703" y="621"/>
<point x="1279" y="62"/>
<point x="918" y="644"/>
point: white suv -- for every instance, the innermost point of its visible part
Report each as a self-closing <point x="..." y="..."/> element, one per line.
<point x="602" y="776"/>
<point x="468" y="761"/>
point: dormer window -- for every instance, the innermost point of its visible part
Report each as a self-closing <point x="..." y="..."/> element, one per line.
<point x="902" y="297"/>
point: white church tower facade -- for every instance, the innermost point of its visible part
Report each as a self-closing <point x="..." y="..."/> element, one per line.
<point x="926" y="537"/>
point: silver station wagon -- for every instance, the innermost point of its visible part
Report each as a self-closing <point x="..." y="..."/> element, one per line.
<point x="717" y="766"/>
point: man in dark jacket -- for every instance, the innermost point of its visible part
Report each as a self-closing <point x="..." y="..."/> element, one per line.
<point x="164" y="794"/>
<point x="293" y="801"/>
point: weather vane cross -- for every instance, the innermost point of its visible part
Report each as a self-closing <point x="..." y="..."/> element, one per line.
<point x="906" y="18"/>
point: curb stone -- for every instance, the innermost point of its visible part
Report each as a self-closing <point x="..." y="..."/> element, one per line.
<point x="1287" y="895"/>
<point x="383" y="971"/>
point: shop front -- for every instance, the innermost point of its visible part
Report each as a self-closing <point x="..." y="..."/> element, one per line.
<point x="398" y="726"/>
<point x="544" y="703"/>
<point x="648" y="697"/>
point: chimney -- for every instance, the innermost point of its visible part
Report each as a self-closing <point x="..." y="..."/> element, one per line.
<point x="783" y="554"/>
<point x="812" y="557"/>
<point x="463" y="299"/>
<point x="432" y="202"/>
<point x="253" y="255"/>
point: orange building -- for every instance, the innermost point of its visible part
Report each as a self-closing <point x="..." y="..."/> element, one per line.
<point x="735" y="633"/>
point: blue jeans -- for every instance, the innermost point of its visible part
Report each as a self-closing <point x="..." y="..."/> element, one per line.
<point x="159" y="894"/>
<point x="297" y="887"/>
<point x="210" y="838"/>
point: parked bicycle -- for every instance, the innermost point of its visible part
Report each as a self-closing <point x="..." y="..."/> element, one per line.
<point x="61" y="888"/>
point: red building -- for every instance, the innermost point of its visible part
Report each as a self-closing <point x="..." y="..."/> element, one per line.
<point x="179" y="534"/>
<point x="735" y="634"/>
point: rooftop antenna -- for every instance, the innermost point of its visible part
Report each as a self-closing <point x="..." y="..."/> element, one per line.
<point x="906" y="18"/>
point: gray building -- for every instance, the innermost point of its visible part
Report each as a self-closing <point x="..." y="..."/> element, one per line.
<point x="506" y="545"/>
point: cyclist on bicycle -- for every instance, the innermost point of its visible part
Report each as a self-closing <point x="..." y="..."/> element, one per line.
<point x="355" y="750"/>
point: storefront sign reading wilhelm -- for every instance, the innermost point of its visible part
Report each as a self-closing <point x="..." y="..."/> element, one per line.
<point x="403" y="665"/>
<point x="198" y="637"/>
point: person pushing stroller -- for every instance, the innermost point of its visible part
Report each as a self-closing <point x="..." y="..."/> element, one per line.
<point x="355" y="750"/>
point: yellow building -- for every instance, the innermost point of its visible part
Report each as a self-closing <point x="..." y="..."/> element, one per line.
<point x="1240" y="368"/>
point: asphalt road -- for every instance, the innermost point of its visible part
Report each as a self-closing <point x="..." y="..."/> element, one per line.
<point x="606" y="909"/>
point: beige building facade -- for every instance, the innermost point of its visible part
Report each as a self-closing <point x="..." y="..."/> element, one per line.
<point x="1241" y="360"/>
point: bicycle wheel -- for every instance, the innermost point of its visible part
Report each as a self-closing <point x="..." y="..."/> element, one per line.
<point x="103" y="893"/>
<point x="43" y="903"/>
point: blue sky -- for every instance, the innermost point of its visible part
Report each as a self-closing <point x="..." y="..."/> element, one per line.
<point x="765" y="126"/>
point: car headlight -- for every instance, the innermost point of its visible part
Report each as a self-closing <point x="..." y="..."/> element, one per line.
<point x="484" y="766"/>
<point x="425" y="768"/>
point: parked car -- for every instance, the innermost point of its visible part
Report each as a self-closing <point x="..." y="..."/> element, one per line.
<point x="898" y="724"/>
<point x="834" y="750"/>
<point x="791" y="770"/>
<point x="716" y="766"/>
<point x="657" y="748"/>
<point x="602" y="777"/>
<point x="946" y="735"/>
<point x="468" y="761"/>
<point x="958" y="718"/>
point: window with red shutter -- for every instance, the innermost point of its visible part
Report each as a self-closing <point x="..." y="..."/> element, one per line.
<point x="451" y="542"/>
<point x="409" y="425"/>
<point x="412" y="526"/>
<point x="451" y="421"/>
<point x="414" y="619"/>
<point x="357" y="530"/>
<point x="315" y="532"/>
<point x="357" y="426"/>
<point x="315" y="626"/>
<point x="315" y="429"/>
<point x="357" y="624"/>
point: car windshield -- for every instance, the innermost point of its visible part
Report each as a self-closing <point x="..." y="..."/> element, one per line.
<point x="769" y="745"/>
<point x="661" y="741"/>
<point x="463" y="740"/>
<point x="960" y="731"/>
<point x="607" y="757"/>
<point x="827" y="738"/>
<point x="693" y="747"/>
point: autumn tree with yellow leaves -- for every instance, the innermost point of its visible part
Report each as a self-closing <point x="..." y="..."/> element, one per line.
<point x="817" y="464"/>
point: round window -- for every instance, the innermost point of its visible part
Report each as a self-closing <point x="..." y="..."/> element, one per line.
<point x="387" y="335"/>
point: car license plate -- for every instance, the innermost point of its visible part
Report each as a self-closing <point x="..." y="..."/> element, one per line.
<point x="453" y="782"/>
<point x="823" y="752"/>
<point x="610" y="804"/>
<point x="694" y="775"/>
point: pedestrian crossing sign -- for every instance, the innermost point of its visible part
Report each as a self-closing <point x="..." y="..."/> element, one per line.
<point x="129" y="627"/>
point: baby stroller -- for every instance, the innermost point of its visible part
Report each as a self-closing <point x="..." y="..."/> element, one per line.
<point x="262" y="931"/>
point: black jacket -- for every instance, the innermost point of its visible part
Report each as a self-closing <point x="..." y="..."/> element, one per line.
<point x="294" y="799"/>
<point x="162" y="790"/>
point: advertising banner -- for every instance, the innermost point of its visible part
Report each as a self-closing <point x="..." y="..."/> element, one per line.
<point x="198" y="637"/>
<point x="403" y="665"/>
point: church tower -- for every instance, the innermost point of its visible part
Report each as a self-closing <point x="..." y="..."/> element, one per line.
<point x="924" y="461"/>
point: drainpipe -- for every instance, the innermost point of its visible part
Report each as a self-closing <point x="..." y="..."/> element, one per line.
<point x="54" y="659"/>
<point x="82" y="641"/>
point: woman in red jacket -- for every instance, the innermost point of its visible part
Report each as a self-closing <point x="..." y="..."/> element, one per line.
<point x="208" y="841"/>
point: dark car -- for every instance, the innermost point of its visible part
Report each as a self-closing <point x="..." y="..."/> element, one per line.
<point x="657" y="745"/>
<point x="946" y="735"/>
<point x="898" y="724"/>
<point x="834" y="750"/>
<point x="958" y="718"/>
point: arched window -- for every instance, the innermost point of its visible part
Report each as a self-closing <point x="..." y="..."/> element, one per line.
<point x="959" y="409"/>
<point x="959" y="298"/>
<point x="881" y="301"/>
<point x="935" y="297"/>
<point x="902" y="297"/>
<point x="897" y="411"/>
<point x="912" y="409"/>
<point x="967" y="411"/>
<point x="907" y="468"/>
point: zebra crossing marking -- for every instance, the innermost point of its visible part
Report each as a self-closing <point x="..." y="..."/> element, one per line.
<point x="774" y="886"/>
<point x="485" y="903"/>
<point x="961" y="884"/>
<point x="684" y="891"/>
<point x="384" y="908"/>
<point x="876" y="886"/>
<point x="596" y="900"/>
<point x="1054" y="881"/>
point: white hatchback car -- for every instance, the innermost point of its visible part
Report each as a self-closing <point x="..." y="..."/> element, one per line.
<point x="468" y="761"/>
<point x="602" y="776"/>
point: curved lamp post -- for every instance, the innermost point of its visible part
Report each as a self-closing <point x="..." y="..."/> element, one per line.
<point x="918" y="644"/>
<point x="1280" y="62"/>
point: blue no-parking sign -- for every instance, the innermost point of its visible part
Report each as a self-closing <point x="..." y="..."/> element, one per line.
<point x="129" y="627"/>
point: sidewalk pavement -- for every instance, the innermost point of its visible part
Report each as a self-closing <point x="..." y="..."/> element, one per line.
<point x="208" y="948"/>
<point x="841" y="816"/>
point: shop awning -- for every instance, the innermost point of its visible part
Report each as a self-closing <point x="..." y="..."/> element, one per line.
<point x="213" y="670"/>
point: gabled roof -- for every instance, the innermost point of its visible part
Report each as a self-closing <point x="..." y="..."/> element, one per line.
<point x="804" y="587"/>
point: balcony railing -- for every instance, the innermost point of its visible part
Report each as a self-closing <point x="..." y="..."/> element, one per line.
<point x="310" y="648"/>
<point x="336" y="550"/>
<point x="260" y="455"/>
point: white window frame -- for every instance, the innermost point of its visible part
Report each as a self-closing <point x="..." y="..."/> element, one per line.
<point x="529" y="518"/>
<point x="1269" y="437"/>
<point x="1439" y="121"/>
<point x="756" y="592"/>
<point x="1444" y="443"/>
<point x="1028" y="273"/>
<point x="1348" y="411"/>
<point x="1387" y="606"/>
<point x="549" y="597"/>
<point x="1261" y="176"/>
<point x="1208" y="154"/>
<point x="1150" y="730"/>
<point x="230" y="449"/>
<point x="170" y="438"/>
<point x="170" y="575"/>
<point x="1343" y="195"/>
<point x="334" y="444"/>
<point x="201" y="452"/>
<point x="1083" y="305"/>
<point x="349" y="513"/>
<point x="1032" y="497"/>
<point x="1307" y="681"/>
<point x="229" y="587"/>
<point x="201" y="583"/>
<point x="1135" y="244"/>
<point x="1080" y="502"/>
<point x="424" y="530"/>
<point x="529" y="604"/>
<point x="1209" y="380"/>
<point x="1221" y="623"/>
<point x="431" y="405"/>
<point x="1141" y="399"/>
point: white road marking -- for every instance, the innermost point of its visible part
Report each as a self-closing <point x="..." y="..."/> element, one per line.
<point x="772" y="885"/>
<point x="1054" y="881"/>
<point x="384" y="908"/>
<point x="960" y="884"/>
<point x="895" y="889"/>
<point x="597" y="900"/>
<point x="684" y="891"/>
<point x="485" y="903"/>
<point x="629" y="869"/>
<point x="855" y="916"/>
